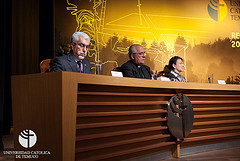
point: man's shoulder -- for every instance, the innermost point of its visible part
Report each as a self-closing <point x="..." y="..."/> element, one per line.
<point x="128" y="64"/>
<point x="146" y="66"/>
<point x="85" y="61"/>
<point x="63" y="57"/>
<point x="69" y="58"/>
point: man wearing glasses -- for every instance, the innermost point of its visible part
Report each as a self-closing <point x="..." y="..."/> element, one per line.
<point x="135" y="67"/>
<point x="74" y="61"/>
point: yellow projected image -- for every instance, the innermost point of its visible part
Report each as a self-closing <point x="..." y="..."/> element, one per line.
<point x="223" y="10"/>
<point x="164" y="28"/>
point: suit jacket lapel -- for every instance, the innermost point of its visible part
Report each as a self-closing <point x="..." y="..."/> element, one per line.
<point x="84" y="66"/>
<point x="72" y="62"/>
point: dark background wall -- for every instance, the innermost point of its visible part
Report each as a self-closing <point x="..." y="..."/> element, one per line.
<point x="32" y="34"/>
<point x="46" y="29"/>
<point x="27" y="38"/>
<point x="5" y="67"/>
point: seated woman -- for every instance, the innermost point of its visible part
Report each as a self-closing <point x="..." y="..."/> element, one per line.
<point x="174" y="68"/>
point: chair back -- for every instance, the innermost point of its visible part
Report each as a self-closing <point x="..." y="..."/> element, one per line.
<point x="45" y="65"/>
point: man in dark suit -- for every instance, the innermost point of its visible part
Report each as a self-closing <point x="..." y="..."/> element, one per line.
<point x="74" y="61"/>
<point x="135" y="67"/>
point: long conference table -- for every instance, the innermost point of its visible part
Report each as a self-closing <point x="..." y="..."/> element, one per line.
<point x="79" y="116"/>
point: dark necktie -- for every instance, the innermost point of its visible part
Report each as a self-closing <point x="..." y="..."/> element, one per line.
<point x="80" y="66"/>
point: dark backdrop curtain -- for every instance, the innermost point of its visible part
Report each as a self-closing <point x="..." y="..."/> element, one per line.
<point x="5" y="68"/>
<point x="22" y="21"/>
<point x="19" y="49"/>
<point x="46" y="29"/>
<point x="32" y="34"/>
<point x="25" y="36"/>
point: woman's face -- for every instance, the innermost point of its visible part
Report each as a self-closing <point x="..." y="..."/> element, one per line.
<point x="179" y="66"/>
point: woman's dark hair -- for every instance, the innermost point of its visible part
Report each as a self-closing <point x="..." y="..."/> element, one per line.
<point x="167" y="69"/>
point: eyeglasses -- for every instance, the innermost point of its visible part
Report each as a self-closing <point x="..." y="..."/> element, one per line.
<point x="83" y="45"/>
<point x="142" y="53"/>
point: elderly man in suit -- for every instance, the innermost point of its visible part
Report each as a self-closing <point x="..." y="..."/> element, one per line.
<point x="74" y="61"/>
<point x="135" y="67"/>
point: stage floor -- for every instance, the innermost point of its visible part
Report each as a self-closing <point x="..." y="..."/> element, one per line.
<point x="231" y="154"/>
